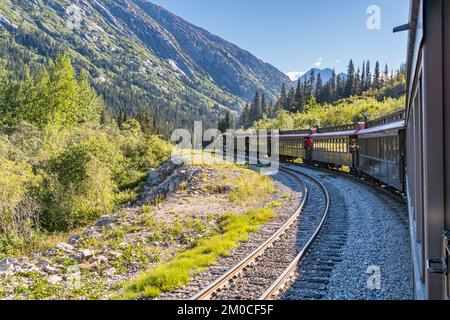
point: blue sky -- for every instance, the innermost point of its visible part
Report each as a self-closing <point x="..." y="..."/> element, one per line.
<point x="295" y="35"/>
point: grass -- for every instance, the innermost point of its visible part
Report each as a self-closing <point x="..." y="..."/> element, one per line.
<point x="251" y="185"/>
<point x="177" y="272"/>
<point x="39" y="242"/>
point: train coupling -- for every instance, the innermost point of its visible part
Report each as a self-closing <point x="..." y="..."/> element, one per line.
<point x="440" y="266"/>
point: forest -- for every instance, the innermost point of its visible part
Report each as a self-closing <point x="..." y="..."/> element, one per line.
<point x="339" y="101"/>
<point x="64" y="160"/>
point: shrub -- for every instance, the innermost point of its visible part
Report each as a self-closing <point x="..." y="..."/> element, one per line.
<point x="79" y="184"/>
<point x="19" y="220"/>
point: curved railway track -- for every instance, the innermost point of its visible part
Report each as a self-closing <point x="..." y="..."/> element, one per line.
<point x="263" y="273"/>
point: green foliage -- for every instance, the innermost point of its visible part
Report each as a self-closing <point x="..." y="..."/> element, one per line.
<point x="54" y="96"/>
<point x="233" y="229"/>
<point x="336" y="91"/>
<point x="59" y="167"/>
<point x="79" y="184"/>
<point x="346" y="111"/>
<point x="18" y="219"/>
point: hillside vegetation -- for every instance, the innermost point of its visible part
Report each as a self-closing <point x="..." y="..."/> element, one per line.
<point x="140" y="57"/>
<point x="346" y="111"/>
<point x="306" y="108"/>
<point x="63" y="161"/>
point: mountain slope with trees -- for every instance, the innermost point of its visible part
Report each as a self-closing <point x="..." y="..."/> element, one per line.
<point x="143" y="61"/>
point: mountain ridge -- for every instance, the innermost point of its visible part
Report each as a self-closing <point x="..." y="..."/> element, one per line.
<point x="139" y="54"/>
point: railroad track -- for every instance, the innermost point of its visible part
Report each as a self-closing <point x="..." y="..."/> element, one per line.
<point x="262" y="274"/>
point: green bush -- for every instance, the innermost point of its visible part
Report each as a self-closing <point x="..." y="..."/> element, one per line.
<point x="19" y="220"/>
<point x="79" y="184"/>
<point x="344" y="112"/>
<point x="60" y="168"/>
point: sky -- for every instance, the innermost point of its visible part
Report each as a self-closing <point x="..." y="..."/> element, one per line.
<point x="295" y="35"/>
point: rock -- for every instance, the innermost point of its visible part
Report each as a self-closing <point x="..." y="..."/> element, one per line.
<point x="78" y="256"/>
<point x="28" y="267"/>
<point x="8" y="261"/>
<point x="105" y="222"/>
<point x="7" y="268"/>
<point x="54" y="279"/>
<point x="123" y="245"/>
<point x="73" y="240"/>
<point x="67" y="248"/>
<point x="110" y="272"/>
<point x="101" y="260"/>
<point x="43" y="262"/>
<point x="88" y="266"/>
<point x="86" y="254"/>
<point x="115" y="254"/>
<point x="4" y="274"/>
<point x="50" y="270"/>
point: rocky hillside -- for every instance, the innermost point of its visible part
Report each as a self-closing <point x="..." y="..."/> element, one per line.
<point x="139" y="55"/>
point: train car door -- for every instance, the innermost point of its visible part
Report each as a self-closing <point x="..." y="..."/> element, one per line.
<point x="446" y="75"/>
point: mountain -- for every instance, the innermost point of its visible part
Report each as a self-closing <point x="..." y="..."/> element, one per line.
<point x="325" y="74"/>
<point x="294" y="76"/>
<point x="139" y="55"/>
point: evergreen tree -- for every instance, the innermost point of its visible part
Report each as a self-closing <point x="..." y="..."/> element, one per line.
<point x="311" y="85"/>
<point x="244" y="122"/>
<point x="145" y="120"/>
<point x="377" y="77"/>
<point x="357" y="84"/>
<point x="368" y="77"/>
<point x="333" y="85"/>
<point x="282" y="100"/>
<point x="255" y="109"/>
<point x="264" y="107"/>
<point x="291" y="101"/>
<point x="225" y="123"/>
<point x="349" y="85"/>
<point x="362" y="86"/>
<point x="386" y="73"/>
<point x="319" y="89"/>
<point x="299" y="97"/>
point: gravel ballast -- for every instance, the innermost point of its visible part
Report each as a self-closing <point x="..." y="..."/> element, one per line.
<point x="375" y="262"/>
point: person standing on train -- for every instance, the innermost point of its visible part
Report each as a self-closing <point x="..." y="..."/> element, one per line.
<point x="309" y="146"/>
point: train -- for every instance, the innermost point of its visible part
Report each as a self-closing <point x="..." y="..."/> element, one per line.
<point x="427" y="136"/>
<point x="407" y="151"/>
<point x="371" y="149"/>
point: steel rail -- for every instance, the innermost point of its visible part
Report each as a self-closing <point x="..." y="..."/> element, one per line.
<point x="286" y="275"/>
<point x="214" y="287"/>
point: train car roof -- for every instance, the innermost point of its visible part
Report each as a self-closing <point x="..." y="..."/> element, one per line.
<point x="294" y="135"/>
<point x="335" y="134"/>
<point x="386" y="129"/>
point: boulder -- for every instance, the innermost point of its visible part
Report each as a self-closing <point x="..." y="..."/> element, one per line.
<point x="67" y="248"/>
<point x="73" y="240"/>
<point x="8" y="261"/>
<point x="43" y="262"/>
<point x="54" y="279"/>
<point x="86" y="254"/>
<point x="50" y="270"/>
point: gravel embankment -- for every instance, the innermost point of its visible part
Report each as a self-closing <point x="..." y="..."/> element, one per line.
<point x="377" y="242"/>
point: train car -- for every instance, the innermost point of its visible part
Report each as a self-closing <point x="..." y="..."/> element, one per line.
<point x="292" y="144"/>
<point x="381" y="150"/>
<point x="428" y="145"/>
<point x="334" y="146"/>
